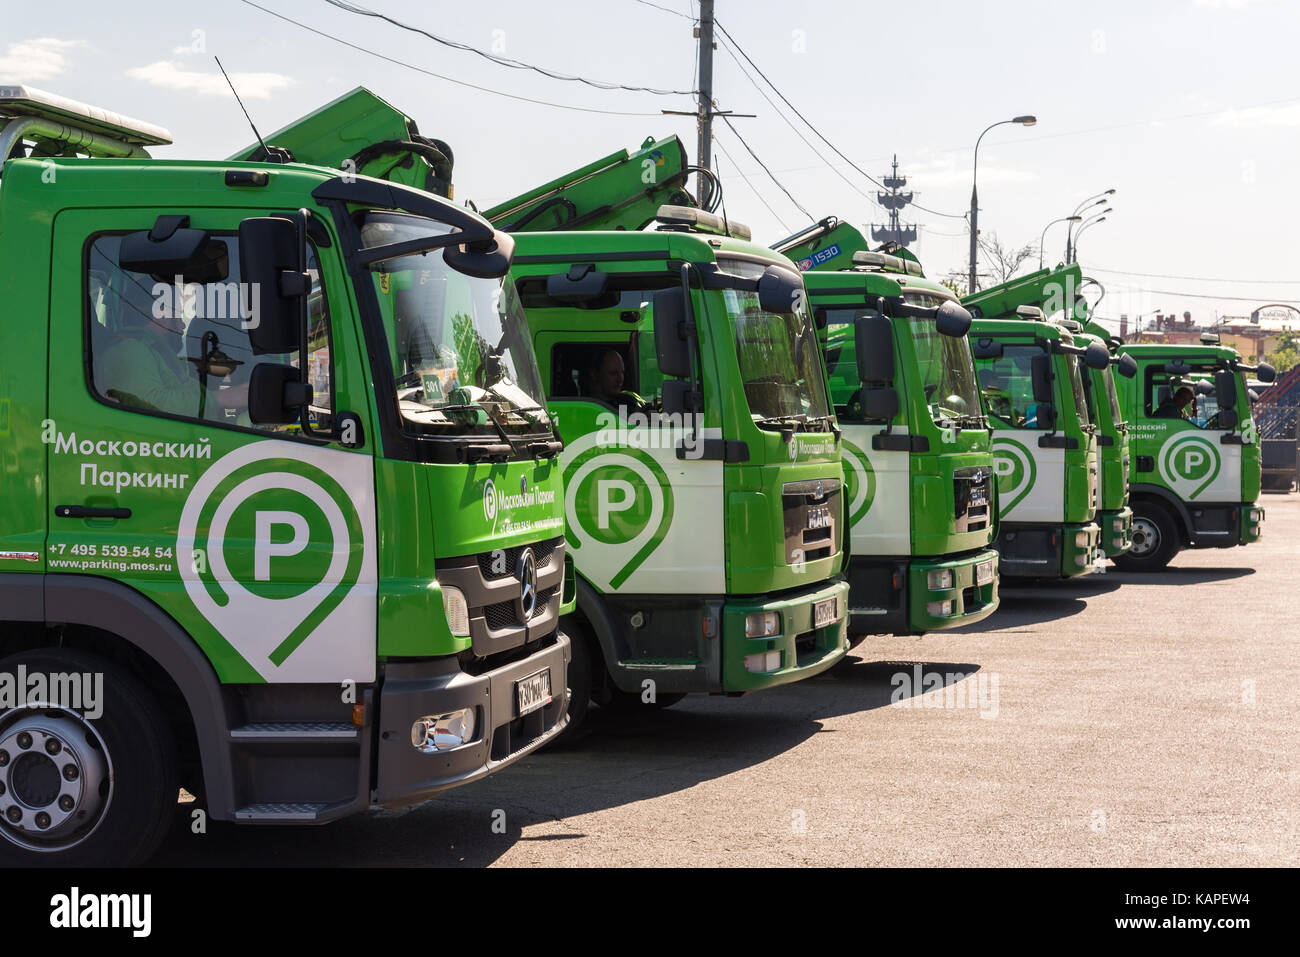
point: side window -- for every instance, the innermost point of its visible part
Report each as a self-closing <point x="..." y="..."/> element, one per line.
<point x="1007" y="387"/>
<point x="181" y="349"/>
<point x="842" y="361"/>
<point x="1189" y="398"/>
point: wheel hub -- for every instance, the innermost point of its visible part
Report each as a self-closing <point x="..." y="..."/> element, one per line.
<point x="1146" y="537"/>
<point x="54" y="779"/>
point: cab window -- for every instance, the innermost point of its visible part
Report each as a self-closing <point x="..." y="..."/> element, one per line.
<point x="180" y="349"/>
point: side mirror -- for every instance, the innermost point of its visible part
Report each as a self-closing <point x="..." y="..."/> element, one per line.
<point x="1126" y="366"/>
<point x="1178" y="367"/>
<point x="986" y="349"/>
<point x="1096" y="356"/>
<point x="1202" y="387"/>
<point x="669" y="306"/>
<point x="582" y="283"/>
<point x="167" y="251"/>
<point x="487" y="259"/>
<point x="276" y="394"/>
<point x="778" y="289"/>
<point x="1040" y="372"/>
<point x="1265" y="372"/>
<point x="1225" y="389"/>
<point x="1227" y="418"/>
<point x="951" y="319"/>
<point x="675" y="396"/>
<point x="275" y="288"/>
<point x="873" y="340"/>
<point x="879" y="404"/>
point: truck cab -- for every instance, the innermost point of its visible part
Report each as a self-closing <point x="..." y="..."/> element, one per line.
<point x="1196" y="454"/>
<point x="704" y="497"/>
<point x="917" y="460"/>
<point x="1114" y="514"/>
<point x="278" y="469"/>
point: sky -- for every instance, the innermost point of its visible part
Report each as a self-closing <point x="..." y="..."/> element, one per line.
<point x="1189" y="109"/>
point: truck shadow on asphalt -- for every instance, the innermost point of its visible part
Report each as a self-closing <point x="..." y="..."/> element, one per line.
<point x="1188" y="575"/>
<point x="618" y="759"/>
<point x="1024" y="607"/>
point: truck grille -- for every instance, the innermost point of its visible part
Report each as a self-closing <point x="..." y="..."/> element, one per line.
<point x="493" y="589"/>
<point x="972" y="496"/>
<point x="811" y="512"/>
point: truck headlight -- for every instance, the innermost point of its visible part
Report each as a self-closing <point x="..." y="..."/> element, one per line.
<point x="939" y="609"/>
<point x="939" y="579"/>
<point x="1080" y="539"/>
<point x="457" y="611"/>
<point x="1117" y="524"/>
<point x="762" y="624"/>
<point x="763" y="662"/>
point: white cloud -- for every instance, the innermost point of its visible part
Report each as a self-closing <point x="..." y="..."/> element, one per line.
<point x="1257" y="116"/>
<point x="172" y="76"/>
<point x="37" y="60"/>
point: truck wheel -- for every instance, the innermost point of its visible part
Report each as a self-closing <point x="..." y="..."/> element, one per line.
<point x="1155" y="540"/>
<point x="84" y="787"/>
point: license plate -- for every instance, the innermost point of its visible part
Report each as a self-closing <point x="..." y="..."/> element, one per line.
<point x="826" y="612"/>
<point x="533" y="692"/>
<point x="983" y="573"/>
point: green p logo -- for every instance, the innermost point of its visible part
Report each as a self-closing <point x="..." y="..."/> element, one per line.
<point x="620" y="501"/>
<point x="1015" y="469"/>
<point x="1189" y="464"/>
<point x="859" y="482"/>
<point x="276" y="550"/>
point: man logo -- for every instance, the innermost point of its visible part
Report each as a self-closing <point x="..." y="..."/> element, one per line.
<point x="526" y="604"/>
<point x="1189" y="464"/>
<point x="1016" y="471"/>
<point x="288" y="536"/>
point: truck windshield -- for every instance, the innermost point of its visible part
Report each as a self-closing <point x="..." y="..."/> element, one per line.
<point x="947" y="370"/>
<point x="1081" y="404"/>
<point x="462" y="357"/>
<point x="778" y="355"/>
<point x="1112" y="397"/>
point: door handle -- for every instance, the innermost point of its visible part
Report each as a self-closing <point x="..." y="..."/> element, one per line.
<point x="87" y="511"/>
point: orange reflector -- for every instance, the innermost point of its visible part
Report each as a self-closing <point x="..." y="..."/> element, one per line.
<point x="359" y="715"/>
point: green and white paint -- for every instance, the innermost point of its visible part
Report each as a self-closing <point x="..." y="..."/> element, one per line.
<point x="878" y="484"/>
<point x="1031" y="483"/>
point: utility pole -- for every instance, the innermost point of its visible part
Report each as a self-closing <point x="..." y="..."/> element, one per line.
<point x="705" y="122"/>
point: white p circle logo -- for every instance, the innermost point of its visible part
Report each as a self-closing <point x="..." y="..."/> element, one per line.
<point x="264" y="549"/>
<point x="606" y="505"/>
<point x="1192" y="459"/>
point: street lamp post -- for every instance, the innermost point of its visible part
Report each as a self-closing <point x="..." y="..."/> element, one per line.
<point x="974" y="196"/>
<point x="1091" y="222"/>
<point x="1043" y="238"/>
<point x="1100" y="198"/>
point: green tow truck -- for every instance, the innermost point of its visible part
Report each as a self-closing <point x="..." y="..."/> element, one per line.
<point x="704" y="500"/>
<point x="918" y="466"/>
<point x="1196" y="456"/>
<point x="1061" y="291"/>
<point x="283" y="516"/>
<point x="1031" y="379"/>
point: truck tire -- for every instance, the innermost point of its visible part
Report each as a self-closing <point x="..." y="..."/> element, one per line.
<point x="1155" y="539"/>
<point x="82" y="789"/>
<point x="582" y="675"/>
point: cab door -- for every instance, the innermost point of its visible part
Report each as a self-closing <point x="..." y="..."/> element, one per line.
<point x="257" y="540"/>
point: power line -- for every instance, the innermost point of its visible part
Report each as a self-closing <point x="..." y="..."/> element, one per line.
<point x="1205" y="295"/>
<point x="1157" y="275"/>
<point x="753" y="189"/>
<point x="439" y="76"/>
<point x="818" y="133"/>
<point x="726" y="119"/>
<point x="727" y="46"/>
<point x="676" y="13"/>
<point x="501" y="60"/>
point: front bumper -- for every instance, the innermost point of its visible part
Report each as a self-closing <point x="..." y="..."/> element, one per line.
<point x="970" y="601"/>
<point x="1116" y="531"/>
<point x="799" y="650"/>
<point x="411" y="690"/>
<point x="1252" y="523"/>
<point x="1047" y="551"/>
